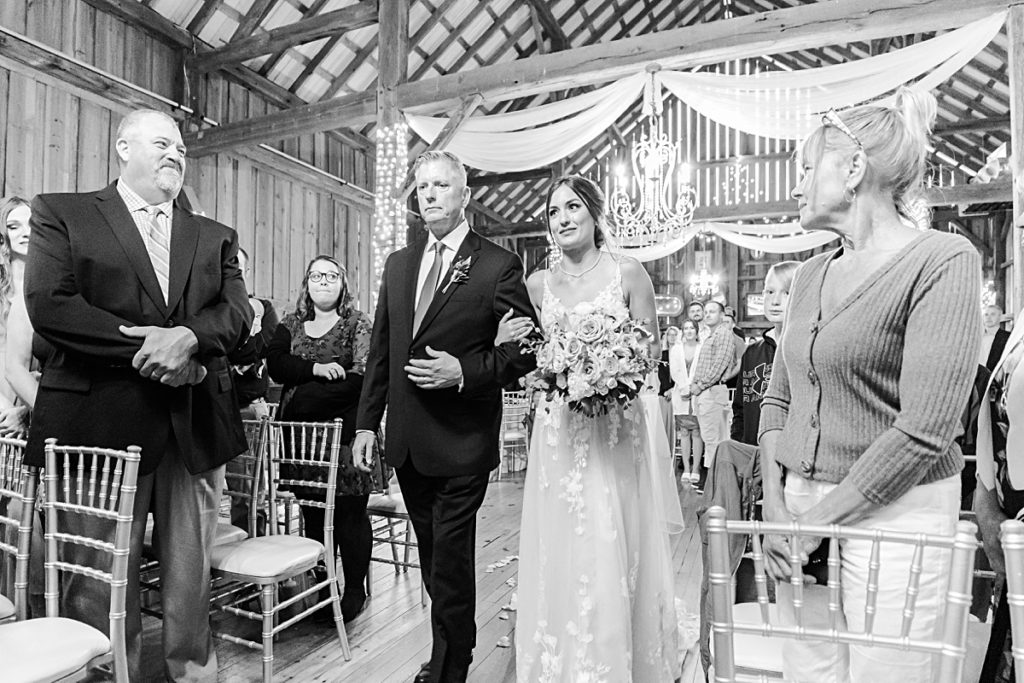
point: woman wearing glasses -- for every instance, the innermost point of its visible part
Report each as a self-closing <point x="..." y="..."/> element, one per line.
<point x="858" y="424"/>
<point x="319" y="354"/>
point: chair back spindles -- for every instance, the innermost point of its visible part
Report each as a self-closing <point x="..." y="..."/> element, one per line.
<point x="109" y="494"/>
<point x="835" y="587"/>
<point x="1011" y="536"/>
<point x="720" y="582"/>
<point x="913" y="589"/>
<point x="871" y="590"/>
<point x="17" y="484"/>
<point x="949" y="642"/>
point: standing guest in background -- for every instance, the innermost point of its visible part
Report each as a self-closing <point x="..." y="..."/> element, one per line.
<point x="993" y="337"/>
<point x="669" y="338"/>
<point x="683" y="364"/>
<point x="434" y="366"/>
<point x="248" y="365"/>
<point x="142" y="301"/>
<point x="1000" y="494"/>
<point x="756" y="364"/>
<point x="859" y="423"/>
<point x="717" y="357"/>
<point x="740" y="346"/>
<point x="15" y="213"/>
<point x="695" y="312"/>
<point x="319" y="354"/>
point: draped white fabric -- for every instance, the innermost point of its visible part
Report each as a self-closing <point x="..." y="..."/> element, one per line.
<point x="535" y="137"/>
<point x="784" y="238"/>
<point x="788" y="104"/>
<point x="780" y="104"/>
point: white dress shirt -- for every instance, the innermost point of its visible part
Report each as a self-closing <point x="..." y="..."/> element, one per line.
<point x="452" y="241"/>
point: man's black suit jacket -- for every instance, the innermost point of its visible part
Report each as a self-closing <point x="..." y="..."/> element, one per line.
<point x="89" y="272"/>
<point x="445" y="432"/>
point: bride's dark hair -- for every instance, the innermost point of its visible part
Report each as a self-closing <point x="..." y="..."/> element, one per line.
<point x="591" y="195"/>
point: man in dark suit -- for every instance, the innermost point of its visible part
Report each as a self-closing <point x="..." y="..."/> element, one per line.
<point x="434" y="365"/>
<point x="993" y="337"/>
<point x="142" y="301"/>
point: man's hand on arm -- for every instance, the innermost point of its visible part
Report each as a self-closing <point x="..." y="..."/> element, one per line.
<point x="440" y="371"/>
<point x="167" y="354"/>
<point x="362" y="450"/>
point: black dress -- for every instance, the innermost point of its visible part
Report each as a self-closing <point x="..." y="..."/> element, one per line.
<point x="304" y="397"/>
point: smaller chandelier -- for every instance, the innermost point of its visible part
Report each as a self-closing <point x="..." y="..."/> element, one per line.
<point x="664" y="208"/>
<point x="703" y="284"/>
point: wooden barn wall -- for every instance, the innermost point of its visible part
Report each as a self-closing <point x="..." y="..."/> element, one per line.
<point x="54" y="138"/>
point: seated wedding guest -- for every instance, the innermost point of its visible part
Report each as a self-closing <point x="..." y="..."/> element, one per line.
<point x="993" y="337"/>
<point x="1000" y="492"/>
<point x="319" y="354"/>
<point x="859" y="423"/>
<point x="248" y="364"/>
<point x="142" y="301"/>
<point x="682" y="364"/>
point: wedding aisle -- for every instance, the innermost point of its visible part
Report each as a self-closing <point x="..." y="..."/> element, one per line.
<point x="392" y="637"/>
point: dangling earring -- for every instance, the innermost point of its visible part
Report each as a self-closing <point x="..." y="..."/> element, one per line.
<point x="849" y="194"/>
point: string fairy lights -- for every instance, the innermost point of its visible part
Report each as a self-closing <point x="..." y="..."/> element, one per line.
<point x="392" y="159"/>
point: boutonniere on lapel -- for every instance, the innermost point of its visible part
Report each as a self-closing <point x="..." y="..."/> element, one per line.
<point x="460" y="273"/>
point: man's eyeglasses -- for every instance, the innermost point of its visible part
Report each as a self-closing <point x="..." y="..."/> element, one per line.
<point x="317" y="276"/>
<point x="831" y="118"/>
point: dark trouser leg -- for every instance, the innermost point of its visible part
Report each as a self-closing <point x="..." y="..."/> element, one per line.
<point x="185" y="510"/>
<point x="450" y="524"/>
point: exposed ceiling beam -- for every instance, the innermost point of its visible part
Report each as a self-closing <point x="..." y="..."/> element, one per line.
<point x="278" y="39"/>
<point x="969" y="125"/>
<point x="971" y="193"/>
<point x="42" y="61"/>
<point x="253" y="18"/>
<point x="785" y="30"/>
<point x="488" y="179"/>
<point x="559" y="41"/>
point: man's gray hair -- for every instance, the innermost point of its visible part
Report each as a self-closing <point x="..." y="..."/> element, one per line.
<point x="134" y="118"/>
<point x="444" y="156"/>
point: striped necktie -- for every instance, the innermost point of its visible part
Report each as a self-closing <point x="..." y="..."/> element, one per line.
<point x="159" y="248"/>
<point x="429" y="287"/>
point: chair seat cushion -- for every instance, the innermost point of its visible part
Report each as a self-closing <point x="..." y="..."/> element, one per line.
<point x="386" y="504"/>
<point x="226" y="533"/>
<point x="229" y="533"/>
<point x="266" y="556"/>
<point x="6" y="608"/>
<point x="513" y="435"/>
<point x="48" y="649"/>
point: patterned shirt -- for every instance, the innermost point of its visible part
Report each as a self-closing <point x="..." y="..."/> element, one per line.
<point x="717" y="356"/>
<point x="139" y="209"/>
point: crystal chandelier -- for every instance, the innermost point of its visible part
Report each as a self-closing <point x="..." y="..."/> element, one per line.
<point x="703" y="285"/>
<point x="663" y="209"/>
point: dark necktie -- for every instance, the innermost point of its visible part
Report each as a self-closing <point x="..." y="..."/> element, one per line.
<point x="159" y="249"/>
<point x="429" y="287"/>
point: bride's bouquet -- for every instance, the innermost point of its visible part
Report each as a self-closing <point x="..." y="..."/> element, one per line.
<point x="592" y="361"/>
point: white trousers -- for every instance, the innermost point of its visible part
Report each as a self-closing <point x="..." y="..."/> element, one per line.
<point x="713" y="417"/>
<point x="929" y="508"/>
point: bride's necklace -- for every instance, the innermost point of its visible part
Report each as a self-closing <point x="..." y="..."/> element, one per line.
<point x="583" y="272"/>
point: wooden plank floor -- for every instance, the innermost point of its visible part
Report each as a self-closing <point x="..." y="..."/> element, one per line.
<point x="391" y="638"/>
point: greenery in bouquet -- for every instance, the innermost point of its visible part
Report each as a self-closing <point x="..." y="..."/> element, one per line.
<point x="592" y="361"/>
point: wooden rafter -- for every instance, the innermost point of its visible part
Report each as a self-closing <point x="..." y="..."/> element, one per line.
<point x="307" y="30"/>
<point x="202" y="16"/>
<point x="311" y="11"/>
<point x="553" y="29"/>
<point x="781" y="30"/>
<point x="253" y="18"/>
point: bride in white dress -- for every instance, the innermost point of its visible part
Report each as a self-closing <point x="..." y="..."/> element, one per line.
<point x="596" y="599"/>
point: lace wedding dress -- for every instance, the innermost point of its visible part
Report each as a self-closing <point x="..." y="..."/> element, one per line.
<point x="596" y="599"/>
